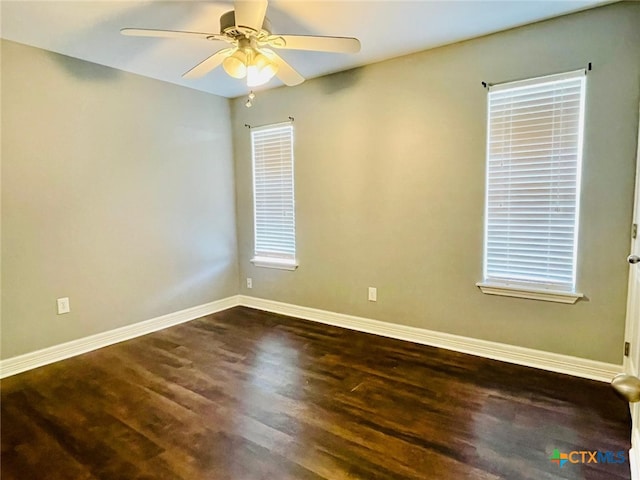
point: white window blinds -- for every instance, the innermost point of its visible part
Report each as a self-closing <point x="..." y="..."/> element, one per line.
<point x="533" y="181"/>
<point x="274" y="207"/>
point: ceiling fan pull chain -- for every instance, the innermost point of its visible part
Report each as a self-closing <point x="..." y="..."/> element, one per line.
<point x="250" y="98"/>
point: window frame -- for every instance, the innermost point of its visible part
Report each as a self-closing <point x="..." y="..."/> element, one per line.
<point x="274" y="259"/>
<point x="511" y="286"/>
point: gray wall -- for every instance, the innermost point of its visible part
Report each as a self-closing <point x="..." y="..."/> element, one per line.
<point x="117" y="191"/>
<point x="390" y="168"/>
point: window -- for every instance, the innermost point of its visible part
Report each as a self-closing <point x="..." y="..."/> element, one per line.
<point x="534" y="156"/>
<point x="273" y="196"/>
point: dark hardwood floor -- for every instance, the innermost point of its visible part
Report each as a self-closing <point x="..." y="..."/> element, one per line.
<point x="245" y="395"/>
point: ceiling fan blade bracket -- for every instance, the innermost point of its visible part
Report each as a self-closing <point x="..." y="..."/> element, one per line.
<point x="275" y="41"/>
<point x="220" y="38"/>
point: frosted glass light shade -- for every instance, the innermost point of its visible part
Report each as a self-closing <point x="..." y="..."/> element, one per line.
<point x="235" y="64"/>
<point x="260" y="71"/>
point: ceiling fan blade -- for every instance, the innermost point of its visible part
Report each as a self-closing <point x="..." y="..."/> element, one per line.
<point x="285" y="72"/>
<point x="148" y="32"/>
<point x="208" y="64"/>
<point x="250" y="13"/>
<point x="316" y="44"/>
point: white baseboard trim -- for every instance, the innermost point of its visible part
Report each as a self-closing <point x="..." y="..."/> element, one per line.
<point x="528" y="357"/>
<point x="28" y="361"/>
<point x="554" y="362"/>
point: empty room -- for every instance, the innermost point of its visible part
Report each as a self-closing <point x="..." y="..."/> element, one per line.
<point x="320" y="240"/>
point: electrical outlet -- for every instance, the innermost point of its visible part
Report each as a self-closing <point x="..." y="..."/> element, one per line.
<point x="63" y="305"/>
<point x="249" y="282"/>
<point x="373" y="294"/>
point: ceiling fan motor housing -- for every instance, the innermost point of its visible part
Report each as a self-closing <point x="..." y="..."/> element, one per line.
<point x="228" y="26"/>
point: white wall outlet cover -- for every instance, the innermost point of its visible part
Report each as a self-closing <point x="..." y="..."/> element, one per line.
<point x="249" y="283"/>
<point x="63" y="305"/>
<point x="373" y="294"/>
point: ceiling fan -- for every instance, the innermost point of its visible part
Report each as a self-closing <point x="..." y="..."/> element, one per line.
<point x="250" y="52"/>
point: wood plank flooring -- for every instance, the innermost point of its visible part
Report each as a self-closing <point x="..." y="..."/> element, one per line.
<point x="245" y="395"/>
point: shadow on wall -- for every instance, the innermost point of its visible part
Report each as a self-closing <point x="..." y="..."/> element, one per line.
<point x="84" y="70"/>
<point x="340" y="81"/>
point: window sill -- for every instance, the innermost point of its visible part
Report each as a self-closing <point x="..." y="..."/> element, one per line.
<point x="530" y="293"/>
<point x="274" y="263"/>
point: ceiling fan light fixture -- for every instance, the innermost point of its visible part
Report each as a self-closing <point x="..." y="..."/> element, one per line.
<point x="236" y="64"/>
<point x="247" y="31"/>
<point x="260" y="70"/>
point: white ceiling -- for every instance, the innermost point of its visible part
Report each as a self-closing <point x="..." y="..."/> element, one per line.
<point x="89" y="30"/>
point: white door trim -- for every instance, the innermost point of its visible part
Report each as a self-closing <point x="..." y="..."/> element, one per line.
<point x="632" y="326"/>
<point x="629" y="327"/>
